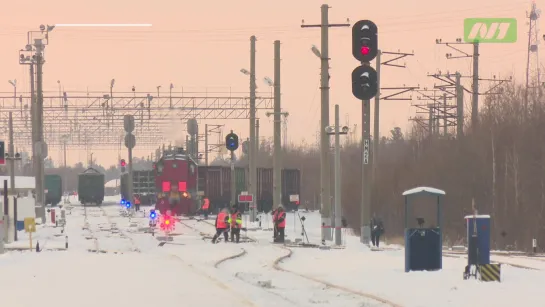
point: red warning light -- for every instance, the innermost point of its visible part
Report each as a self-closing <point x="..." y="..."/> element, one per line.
<point x="123" y="163"/>
<point x="365" y="50"/>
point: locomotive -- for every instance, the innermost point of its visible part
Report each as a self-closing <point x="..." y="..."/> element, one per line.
<point x="176" y="183"/>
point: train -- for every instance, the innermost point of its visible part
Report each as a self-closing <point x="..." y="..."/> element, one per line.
<point x="181" y="184"/>
<point x="53" y="188"/>
<point x="91" y="187"/>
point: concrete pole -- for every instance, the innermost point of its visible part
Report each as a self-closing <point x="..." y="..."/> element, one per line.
<point x="233" y="179"/>
<point x="256" y="150"/>
<point x="367" y="163"/>
<point x="475" y="88"/>
<point x="324" y="138"/>
<point x="277" y="155"/>
<point x="130" y="179"/>
<point x="445" y="120"/>
<point x="459" y="107"/>
<point x="376" y="121"/>
<point x="11" y="152"/>
<point x="430" y="122"/>
<point x="338" y="213"/>
<point x="206" y="144"/>
<point x="253" y="143"/>
<point x="64" y="149"/>
<point x="33" y="114"/>
<point x="257" y="145"/>
<point x="40" y="197"/>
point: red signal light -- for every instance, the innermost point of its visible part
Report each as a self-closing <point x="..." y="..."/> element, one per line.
<point x="365" y="50"/>
<point x="123" y="163"/>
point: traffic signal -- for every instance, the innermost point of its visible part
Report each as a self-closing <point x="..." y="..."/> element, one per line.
<point x="364" y="40"/>
<point x="231" y="141"/>
<point x="364" y="82"/>
<point x="122" y="164"/>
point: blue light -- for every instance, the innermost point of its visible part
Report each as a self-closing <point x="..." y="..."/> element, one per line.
<point x="122" y="201"/>
<point x="153" y="215"/>
<point x="128" y="204"/>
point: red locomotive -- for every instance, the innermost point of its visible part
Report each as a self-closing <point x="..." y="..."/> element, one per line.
<point x="176" y="183"/>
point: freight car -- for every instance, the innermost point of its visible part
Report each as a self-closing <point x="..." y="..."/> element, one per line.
<point x="215" y="184"/>
<point x="143" y="184"/>
<point x="176" y="183"/>
<point x="91" y="187"/>
<point x="53" y="187"/>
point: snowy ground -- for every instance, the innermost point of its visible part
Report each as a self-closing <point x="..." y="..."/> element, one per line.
<point x="113" y="261"/>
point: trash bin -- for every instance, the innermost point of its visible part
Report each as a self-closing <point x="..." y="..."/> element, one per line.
<point x="482" y="243"/>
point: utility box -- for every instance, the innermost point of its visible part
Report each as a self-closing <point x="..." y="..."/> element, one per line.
<point x="479" y="247"/>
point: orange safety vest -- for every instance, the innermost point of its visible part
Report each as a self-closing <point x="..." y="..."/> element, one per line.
<point x="206" y="204"/>
<point x="221" y="224"/>
<point x="277" y="216"/>
<point x="137" y="200"/>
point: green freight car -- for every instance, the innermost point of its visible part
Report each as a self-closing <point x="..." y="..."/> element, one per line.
<point x="53" y="187"/>
<point x="91" y="187"/>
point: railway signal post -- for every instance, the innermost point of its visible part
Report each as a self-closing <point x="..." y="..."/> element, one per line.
<point x="365" y="87"/>
<point x="231" y="143"/>
<point x="130" y="142"/>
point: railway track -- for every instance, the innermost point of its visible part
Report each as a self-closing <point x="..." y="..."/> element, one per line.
<point x="111" y="228"/>
<point x="516" y="265"/>
<point x="275" y="265"/>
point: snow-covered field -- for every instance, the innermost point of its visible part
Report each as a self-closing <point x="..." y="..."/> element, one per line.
<point x="113" y="261"/>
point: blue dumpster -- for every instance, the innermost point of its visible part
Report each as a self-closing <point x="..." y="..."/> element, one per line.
<point x="483" y="236"/>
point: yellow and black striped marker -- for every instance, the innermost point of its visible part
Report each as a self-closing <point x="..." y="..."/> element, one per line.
<point x="490" y="272"/>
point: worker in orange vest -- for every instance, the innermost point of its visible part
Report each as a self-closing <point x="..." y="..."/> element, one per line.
<point x="279" y="220"/>
<point x="275" y="231"/>
<point x="137" y="202"/>
<point x="205" y="207"/>
<point x="222" y="225"/>
<point x="236" y="223"/>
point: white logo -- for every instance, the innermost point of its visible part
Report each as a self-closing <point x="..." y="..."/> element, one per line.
<point x="484" y="32"/>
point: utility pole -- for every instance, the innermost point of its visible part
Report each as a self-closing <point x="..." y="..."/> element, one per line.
<point x="337" y="131"/>
<point x="376" y="122"/>
<point x="459" y="106"/>
<point x="253" y="142"/>
<point x="42" y="147"/>
<point x="11" y="157"/>
<point x="452" y="87"/>
<point x="257" y="146"/>
<point x="325" y="180"/>
<point x="392" y="96"/>
<point x="277" y="156"/>
<point x="475" y="74"/>
<point x="475" y="88"/>
<point x="206" y="144"/>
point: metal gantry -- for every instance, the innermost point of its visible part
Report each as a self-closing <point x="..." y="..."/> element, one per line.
<point x="96" y="119"/>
